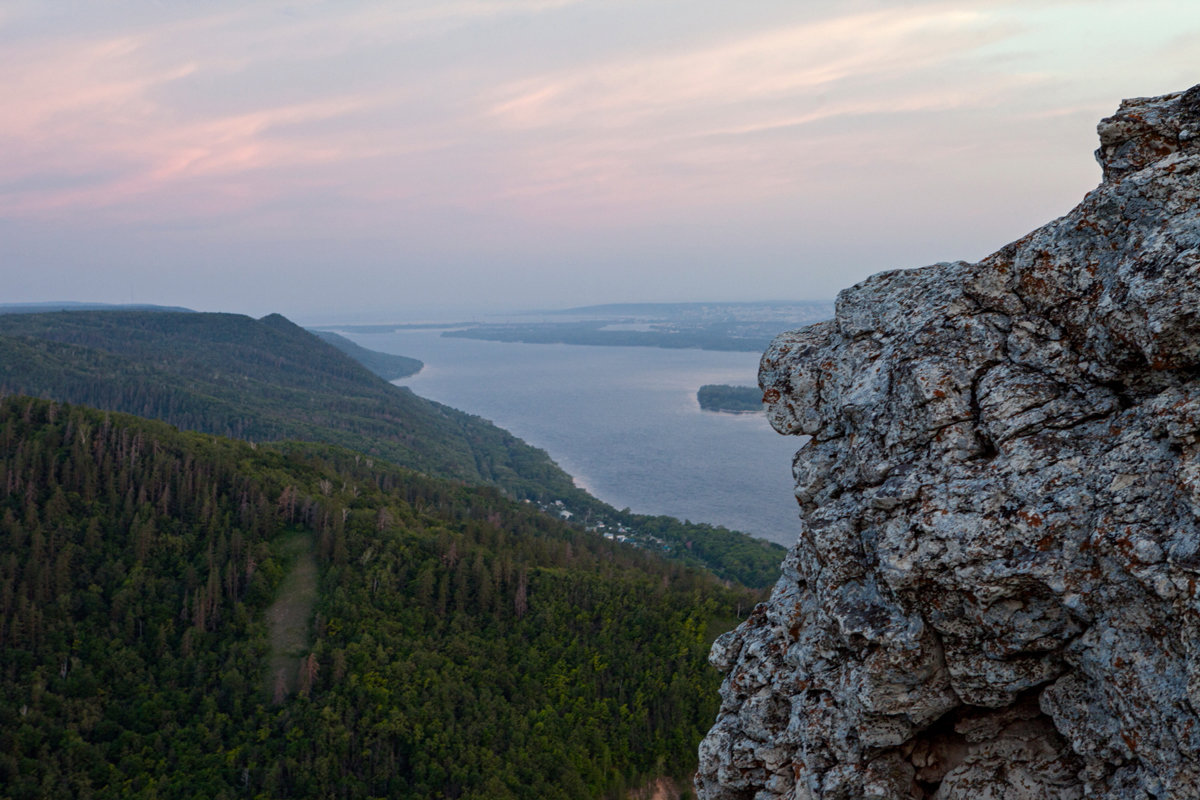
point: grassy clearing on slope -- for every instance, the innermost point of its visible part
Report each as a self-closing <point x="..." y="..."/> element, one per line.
<point x="289" y="617"/>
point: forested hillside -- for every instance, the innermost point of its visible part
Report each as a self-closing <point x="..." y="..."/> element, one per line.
<point x="462" y="644"/>
<point x="260" y="380"/>
<point x="386" y="365"/>
<point x="270" y="380"/>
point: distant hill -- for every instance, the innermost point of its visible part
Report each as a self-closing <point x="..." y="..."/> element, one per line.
<point x="741" y="310"/>
<point x="674" y="336"/>
<point x="270" y="380"/>
<point x="745" y="327"/>
<point x="39" y="308"/>
<point x="442" y="640"/>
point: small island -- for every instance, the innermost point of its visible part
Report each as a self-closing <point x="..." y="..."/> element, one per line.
<point x="730" y="399"/>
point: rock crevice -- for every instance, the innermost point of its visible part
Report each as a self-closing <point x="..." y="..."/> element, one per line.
<point x="993" y="593"/>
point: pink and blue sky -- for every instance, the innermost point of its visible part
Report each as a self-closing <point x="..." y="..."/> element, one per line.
<point x="409" y="159"/>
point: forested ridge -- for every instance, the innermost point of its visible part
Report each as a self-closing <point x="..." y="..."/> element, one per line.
<point x="270" y="380"/>
<point x="260" y="380"/>
<point x="463" y="644"/>
<point x="385" y="365"/>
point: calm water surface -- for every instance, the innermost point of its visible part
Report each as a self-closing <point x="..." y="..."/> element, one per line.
<point x="623" y="421"/>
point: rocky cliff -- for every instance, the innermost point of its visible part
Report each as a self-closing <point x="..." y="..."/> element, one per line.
<point x="994" y="589"/>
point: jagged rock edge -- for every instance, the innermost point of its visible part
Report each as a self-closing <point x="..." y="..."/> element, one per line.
<point x="1041" y="642"/>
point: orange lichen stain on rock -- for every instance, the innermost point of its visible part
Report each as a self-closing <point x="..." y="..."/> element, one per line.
<point x="1162" y="149"/>
<point x="771" y="395"/>
<point x="1032" y="518"/>
<point x="1162" y="362"/>
<point x="1035" y="286"/>
<point x="1124" y="544"/>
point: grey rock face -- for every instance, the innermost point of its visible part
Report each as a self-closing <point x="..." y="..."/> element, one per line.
<point x="994" y="589"/>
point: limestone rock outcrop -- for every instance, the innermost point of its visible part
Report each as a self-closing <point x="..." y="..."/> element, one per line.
<point x="993" y="593"/>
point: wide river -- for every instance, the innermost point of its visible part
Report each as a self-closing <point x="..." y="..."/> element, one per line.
<point x="623" y="421"/>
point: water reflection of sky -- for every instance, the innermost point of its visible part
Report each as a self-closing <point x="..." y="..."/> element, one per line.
<point x="623" y="420"/>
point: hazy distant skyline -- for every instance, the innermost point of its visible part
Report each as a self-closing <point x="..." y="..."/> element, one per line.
<point x="321" y="158"/>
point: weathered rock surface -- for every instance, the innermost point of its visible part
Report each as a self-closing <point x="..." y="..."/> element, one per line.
<point x="994" y="589"/>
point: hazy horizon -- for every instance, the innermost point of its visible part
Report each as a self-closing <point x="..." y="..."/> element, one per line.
<point x="474" y="156"/>
<point x="414" y="315"/>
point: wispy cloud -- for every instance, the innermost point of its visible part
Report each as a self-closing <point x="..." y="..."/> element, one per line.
<point x="773" y="65"/>
<point x="640" y="130"/>
<point x="92" y="104"/>
<point x="78" y="99"/>
<point x="473" y="126"/>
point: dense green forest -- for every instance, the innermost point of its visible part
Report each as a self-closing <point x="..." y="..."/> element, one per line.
<point x="386" y="365"/>
<point x="733" y="399"/>
<point x="270" y="380"/>
<point x="260" y="380"/>
<point x="461" y="645"/>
